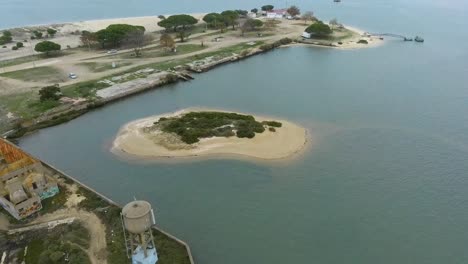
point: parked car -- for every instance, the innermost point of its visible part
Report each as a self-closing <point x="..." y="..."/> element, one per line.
<point x="71" y="75"/>
<point x="112" y="51"/>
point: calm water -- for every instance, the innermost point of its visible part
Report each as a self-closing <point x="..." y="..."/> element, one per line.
<point x="385" y="181"/>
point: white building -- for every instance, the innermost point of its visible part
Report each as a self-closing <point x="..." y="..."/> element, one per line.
<point x="280" y="13"/>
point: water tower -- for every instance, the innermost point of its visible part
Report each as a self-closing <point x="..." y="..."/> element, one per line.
<point x="137" y="220"/>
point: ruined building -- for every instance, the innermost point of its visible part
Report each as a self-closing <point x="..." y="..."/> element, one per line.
<point x="24" y="182"/>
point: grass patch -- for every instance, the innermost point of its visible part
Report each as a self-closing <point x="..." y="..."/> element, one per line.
<point x="56" y="202"/>
<point x="169" y="250"/>
<point x="193" y="126"/>
<point x="31" y="58"/>
<point x="101" y="67"/>
<point x="83" y="89"/>
<point x="35" y="248"/>
<point x="43" y="73"/>
<point x="53" y="247"/>
<point x="27" y="105"/>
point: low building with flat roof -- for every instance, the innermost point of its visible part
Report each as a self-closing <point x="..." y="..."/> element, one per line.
<point x="24" y="182"/>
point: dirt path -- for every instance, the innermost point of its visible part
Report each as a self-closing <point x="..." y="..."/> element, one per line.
<point x="97" y="247"/>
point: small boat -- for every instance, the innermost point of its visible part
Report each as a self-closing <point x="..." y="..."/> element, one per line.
<point x="418" y="39"/>
<point x="336" y="1"/>
<point x="408" y="39"/>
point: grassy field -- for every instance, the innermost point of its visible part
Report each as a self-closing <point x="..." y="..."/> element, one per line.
<point x="26" y="105"/>
<point x="32" y="58"/>
<point x="38" y="74"/>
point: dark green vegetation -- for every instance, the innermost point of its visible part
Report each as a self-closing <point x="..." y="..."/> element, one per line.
<point x="47" y="47"/>
<point x="51" y="32"/>
<point x="267" y="7"/>
<point x="319" y="29"/>
<point x="363" y="41"/>
<point x="193" y="126"/>
<point x="50" y="93"/>
<point x="62" y="242"/>
<point x="114" y="35"/>
<point x="178" y="21"/>
<point x="6" y="37"/>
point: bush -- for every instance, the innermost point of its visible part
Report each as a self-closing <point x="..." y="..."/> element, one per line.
<point x="272" y="123"/>
<point x="19" y="44"/>
<point x="319" y="29"/>
<point x="50" y="93"/>
<point x="362" y="41"/>
<point x="4" y="47"/>
<point x="14" y="48"/>
<point x="195" y="125"/>
<point x="272" y="129"/>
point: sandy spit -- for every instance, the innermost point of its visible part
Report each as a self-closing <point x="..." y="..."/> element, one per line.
<point x="286" y="142"/>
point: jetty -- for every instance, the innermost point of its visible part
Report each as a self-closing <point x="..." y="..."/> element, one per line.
<point x="405" y="38"/>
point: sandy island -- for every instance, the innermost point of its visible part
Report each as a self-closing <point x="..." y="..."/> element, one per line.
<point x="285" y="142"/>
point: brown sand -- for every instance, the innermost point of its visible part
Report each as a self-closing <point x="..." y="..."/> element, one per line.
<point x="286" y="142"/>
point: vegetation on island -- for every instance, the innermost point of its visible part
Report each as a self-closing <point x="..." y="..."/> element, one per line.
<point x="193" y="126"/>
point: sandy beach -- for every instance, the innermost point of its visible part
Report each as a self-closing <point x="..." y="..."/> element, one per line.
<point x="286" y="142"/>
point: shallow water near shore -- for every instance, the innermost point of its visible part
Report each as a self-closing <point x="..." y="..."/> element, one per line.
<point x="385" y="181"/>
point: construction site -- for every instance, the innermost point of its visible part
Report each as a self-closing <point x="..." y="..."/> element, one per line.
<point x="49" y="217"/>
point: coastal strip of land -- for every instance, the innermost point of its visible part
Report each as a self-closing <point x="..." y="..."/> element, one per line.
<point x="279" y="143"/>
<point x="89" y="76"/>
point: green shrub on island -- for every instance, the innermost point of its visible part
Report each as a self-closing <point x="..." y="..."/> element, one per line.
<point x="19" y="44"/>
<point x="362" y="41"/>
<point x="193" y="126"/>
<point x="272" y="123"/>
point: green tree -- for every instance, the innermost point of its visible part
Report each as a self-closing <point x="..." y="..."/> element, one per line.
<point x="19" y="44"/>
<point x="51" y="32"/>
<point x="294" y="11"/>
<point x="50" y="93"/>
<point x="242" y="13"/>
<point x="176" y="21"/>
<point x="161" y="17"/>
<point x="213" y="19"/>
<point x="255" y="10"/>
<point x="251" y="24"/>
<point x="47" y="47"/>
<point x="6" y="37"/>
<point x="37" y="34"/>
<point x="230" y="18"/>
<point x="88" y="38"/>
<point x="267" y="7"/>
<point x="319" y="29"/>
<point x="115" y="34"/>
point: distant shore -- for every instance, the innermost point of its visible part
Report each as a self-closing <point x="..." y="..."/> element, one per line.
<point x="285" y="142"/>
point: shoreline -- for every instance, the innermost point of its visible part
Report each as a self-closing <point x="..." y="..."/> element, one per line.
<point x="131" y="144"/>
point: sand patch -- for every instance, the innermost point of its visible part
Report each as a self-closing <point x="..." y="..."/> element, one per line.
<point x="285" y="142"/>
